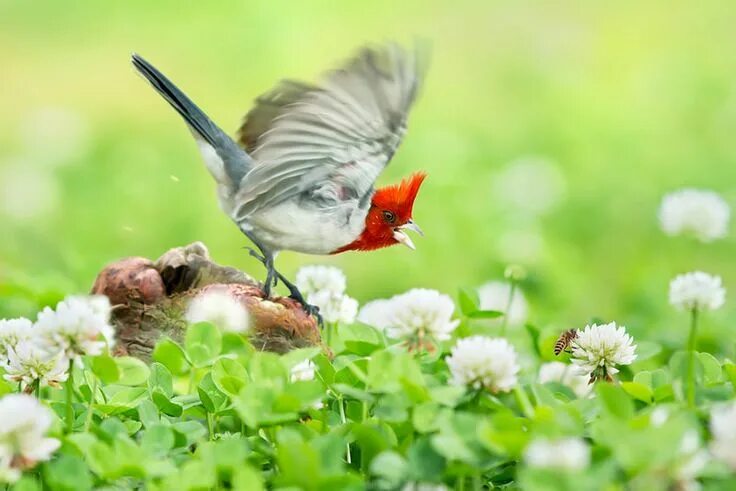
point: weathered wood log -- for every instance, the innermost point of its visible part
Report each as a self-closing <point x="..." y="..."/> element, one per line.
<point x="150" y="300"/>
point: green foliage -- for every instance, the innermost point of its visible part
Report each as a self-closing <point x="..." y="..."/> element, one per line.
<point x="374" y="416"/>
<point x="202" y="344"/>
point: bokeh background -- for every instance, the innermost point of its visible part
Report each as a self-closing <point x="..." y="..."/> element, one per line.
<point x="550" y="132"/>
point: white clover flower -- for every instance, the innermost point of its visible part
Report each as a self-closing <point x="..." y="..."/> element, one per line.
<point x="324" y="287"/>
<point x="220" y="308"/>
<point x="480" y="361"/>
<point x="80" y="325"/>
<point x="570" y="454"/>
<point x="23" y="425"/>
<point x="376" y="313"/>
<point x="556" y="371"/>
<point x="417" y="312"/>
<point x="692" y="459"/>
<point x="29" y="362"/>
<point x="690" y="442"/>
<point x="303" y="371"/>
<point x="697" y="290"/>
<point x="99" y="304"/>
<point x="597" y="349"/>
<point x="659" y="416"/>
<point x="703" y="214"/>
<point x="723" y="429"/>
<point x="421" y="310"/>
<point x="13" y="331"/>
<point x="494" y="295"/>
<point x="334" y="307"/>
<point x="313" y="279"/>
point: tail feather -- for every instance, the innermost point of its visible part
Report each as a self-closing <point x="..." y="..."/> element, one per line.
<point x="230" y="157"/>
<point x="188" y="110"/>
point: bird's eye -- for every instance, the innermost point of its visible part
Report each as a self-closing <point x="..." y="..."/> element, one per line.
<point x="389" y="216"/>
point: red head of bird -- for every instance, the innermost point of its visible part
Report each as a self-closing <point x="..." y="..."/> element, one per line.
<point x="389" y="216"/>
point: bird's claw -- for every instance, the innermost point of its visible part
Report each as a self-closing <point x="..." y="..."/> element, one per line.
<point x="313" y="310"/>
<point x="256" y="255"/>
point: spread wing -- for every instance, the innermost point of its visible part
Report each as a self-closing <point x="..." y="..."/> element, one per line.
<point x="329" y="142"/>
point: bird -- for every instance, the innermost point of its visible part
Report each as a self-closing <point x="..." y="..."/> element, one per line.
<point x="302" y="174"/>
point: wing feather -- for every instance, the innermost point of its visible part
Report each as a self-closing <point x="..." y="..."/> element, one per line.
<point x="332" y="140"/>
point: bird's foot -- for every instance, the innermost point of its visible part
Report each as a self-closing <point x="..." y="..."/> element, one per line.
<point x="310" y="309"/>
<point x="296" y="295"/>
<point x="294" y="292"/>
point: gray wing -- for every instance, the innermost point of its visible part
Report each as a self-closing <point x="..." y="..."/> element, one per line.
<point x="329" y="142"/>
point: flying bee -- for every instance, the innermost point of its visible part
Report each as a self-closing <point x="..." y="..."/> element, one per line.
<point x="564" y="341"/>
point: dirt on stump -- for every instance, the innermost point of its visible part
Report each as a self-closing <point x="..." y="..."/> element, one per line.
<point x="150" y="299"/>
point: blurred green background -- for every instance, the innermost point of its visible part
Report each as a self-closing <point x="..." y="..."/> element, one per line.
<point x="550" y="131"/>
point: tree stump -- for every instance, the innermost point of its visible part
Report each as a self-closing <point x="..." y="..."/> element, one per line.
<point x="150" y="299"/>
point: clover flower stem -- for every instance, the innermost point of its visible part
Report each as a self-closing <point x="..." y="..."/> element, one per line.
<point x="69" y="396"/>
<point x="37" y="388"/>
<point x="90" y="411"/>
<point x="330" y="329"/>
<point x="477" y="485"/>
<point x="523" y="401"/>
<point x="691" y="357"/>
<point x="505" y="320"/>
<point x="210" y="426"/>
<point x="324" y="416"/>
<point x="344" y="420"/>
<point x="460" y="486"/>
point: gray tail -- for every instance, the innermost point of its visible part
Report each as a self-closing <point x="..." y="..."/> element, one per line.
<point x="195" y="118"/>
<point x="235" y="161"/>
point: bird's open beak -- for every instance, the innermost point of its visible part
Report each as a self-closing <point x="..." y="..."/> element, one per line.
<point x="402" y="237"/>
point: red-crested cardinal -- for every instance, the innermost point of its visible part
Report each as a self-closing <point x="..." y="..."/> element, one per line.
<point x="302" y="178"/>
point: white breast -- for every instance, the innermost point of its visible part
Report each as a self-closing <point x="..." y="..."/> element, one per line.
<point x="291" y="227"/>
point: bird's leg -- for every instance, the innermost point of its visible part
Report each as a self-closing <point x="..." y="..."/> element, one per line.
<point x="271" y="273"/>
<point x="297" y="295"/>
<point x="294" y="292"/>
<point x="270" y="276"/>
<point x="266" y="257"/>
